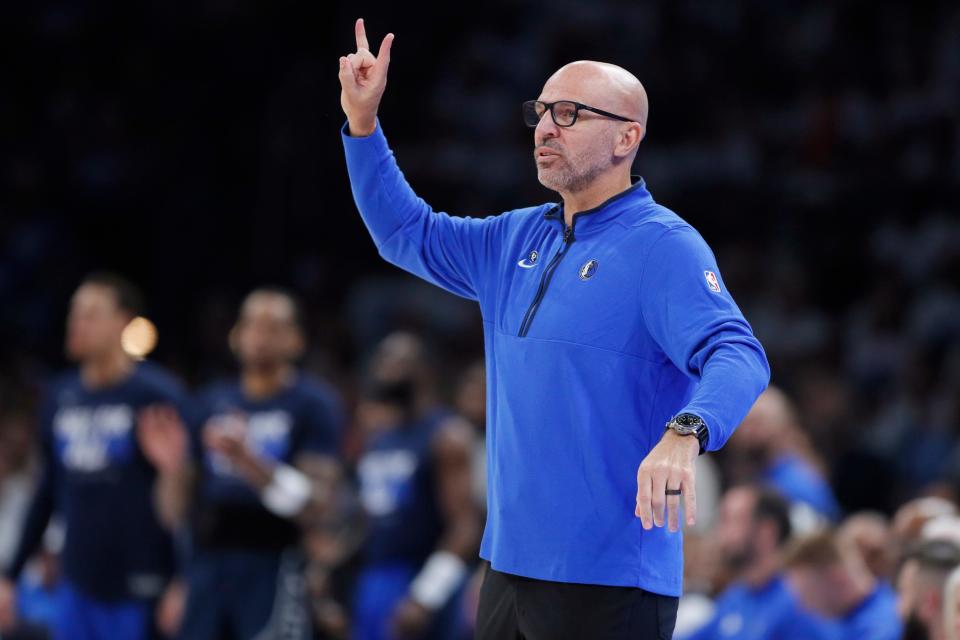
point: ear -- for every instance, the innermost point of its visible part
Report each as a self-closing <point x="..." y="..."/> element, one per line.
<point x="629" y="139"/>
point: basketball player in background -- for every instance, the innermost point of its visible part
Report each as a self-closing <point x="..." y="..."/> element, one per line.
<point x="415" y="478"/>
<point x="116" y="557"/>
<point x="261" y="461"/>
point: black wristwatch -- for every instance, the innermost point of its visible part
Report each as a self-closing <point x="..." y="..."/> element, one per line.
<point x="690" y="424"/>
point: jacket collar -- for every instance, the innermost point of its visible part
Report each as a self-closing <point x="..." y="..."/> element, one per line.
<point x="635" y="196"/>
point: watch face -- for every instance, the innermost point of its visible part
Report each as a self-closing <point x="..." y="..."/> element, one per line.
<point x="688" y="420"/>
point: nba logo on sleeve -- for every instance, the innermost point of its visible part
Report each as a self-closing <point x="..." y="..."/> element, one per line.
<point x="712" y="281"/>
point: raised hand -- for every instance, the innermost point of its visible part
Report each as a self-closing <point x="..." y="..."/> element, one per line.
<point x="363" y="78"/>
<point x="163" y="438"/>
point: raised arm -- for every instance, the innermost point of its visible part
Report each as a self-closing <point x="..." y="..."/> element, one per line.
<point x="452" y="252"/>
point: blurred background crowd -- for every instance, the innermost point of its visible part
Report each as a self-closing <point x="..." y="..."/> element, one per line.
<point x="194" y="149"/>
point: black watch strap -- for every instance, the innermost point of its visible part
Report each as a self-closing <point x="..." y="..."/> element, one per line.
<point x="691" y="424"/>
<point x="702" y="436"/>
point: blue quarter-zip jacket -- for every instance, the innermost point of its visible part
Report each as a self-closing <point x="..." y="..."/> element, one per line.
<point x="595" y="337"/>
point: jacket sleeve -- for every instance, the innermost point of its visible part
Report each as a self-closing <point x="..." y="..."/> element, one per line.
<point x="692" y="317"/>
<point x="449" y="251"/>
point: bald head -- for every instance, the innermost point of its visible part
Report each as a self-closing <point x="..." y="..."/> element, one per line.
<point x="590" y="159"/>
<point x="602" y="85"/>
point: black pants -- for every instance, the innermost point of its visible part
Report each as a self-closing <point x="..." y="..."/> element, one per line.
<point x="517" y="608"/>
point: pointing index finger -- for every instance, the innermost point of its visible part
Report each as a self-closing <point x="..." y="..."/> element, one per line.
<point x="361" y="35"/>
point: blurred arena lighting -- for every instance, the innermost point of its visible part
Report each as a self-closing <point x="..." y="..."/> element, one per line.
<point x="139" y="338"/>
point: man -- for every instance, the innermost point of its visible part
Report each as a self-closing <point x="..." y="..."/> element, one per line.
<point x="772" y="446"/>
<point x="830" y="577"/>
<point x="116" y="557"/>
<point x="752" y="530"/>
<point x="415" y="478"/>
<point x="255" y="442"/>
<point x="930" y="564"/>
<point x="604" y="316"/>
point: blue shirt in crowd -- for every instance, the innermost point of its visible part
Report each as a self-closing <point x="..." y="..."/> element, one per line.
<point x="770" y="612"/>
<point x="875" y="618"/>
<point x="798" y="481"/>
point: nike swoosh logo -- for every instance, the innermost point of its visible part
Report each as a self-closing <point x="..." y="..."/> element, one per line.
<point x="526" y="264"/>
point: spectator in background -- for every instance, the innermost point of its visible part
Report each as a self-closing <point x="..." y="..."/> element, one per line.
<point x="753" y="527"/>
<point x="923" y="596"/>
<point x="909" y="523"/>
<point x="116" y="557"/>
<point x="872" y="534"/>
<point x="831" y="578"/>
<point x="771" y="447"/>
<point x="951" y="607"/>
<point x="917" y="521"/>
<point x="262" y="458"/>
<point x="415" y="478"/>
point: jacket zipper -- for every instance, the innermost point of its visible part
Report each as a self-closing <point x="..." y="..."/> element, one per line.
<point x="546" y="277"/>
<point x="568" y="239"/>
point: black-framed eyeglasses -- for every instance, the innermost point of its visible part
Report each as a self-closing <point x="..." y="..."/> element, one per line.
<point x="563" y="112"/>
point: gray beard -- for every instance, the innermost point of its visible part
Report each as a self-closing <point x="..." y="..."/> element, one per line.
<point x="570" y="178"/>
<point x="569" y="182"/>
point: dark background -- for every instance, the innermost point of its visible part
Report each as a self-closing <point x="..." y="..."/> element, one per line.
<point x="194" y="147"/>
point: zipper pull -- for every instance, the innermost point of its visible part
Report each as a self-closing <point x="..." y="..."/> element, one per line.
<point x="567" y="233"/>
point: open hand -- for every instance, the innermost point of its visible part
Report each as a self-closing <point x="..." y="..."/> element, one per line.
<point x="363" y="78"/>
<point x="163" y="438"/>
<point x="670" y="465"/>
